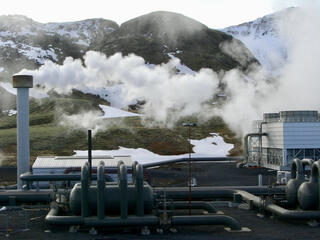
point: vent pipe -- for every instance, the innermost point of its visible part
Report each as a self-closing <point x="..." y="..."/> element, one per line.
<point x="22" y="83"/>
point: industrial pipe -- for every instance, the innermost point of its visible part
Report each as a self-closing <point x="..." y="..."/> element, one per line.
<point x="307" y="162"/>
<point x="277" y="210"/>
<point x="297" y="178"/>
<point x="30" y="196"/>
<point x="200" y="193"/>
<point x="22" y="83"/>
<point x="123" y="184"/>
<point x="84" y="190"/>
<point x="134" y="171"/>
<point x="206" y="220"/>
<point x="139" y="190"/>
<point x="100" y="190"/>
<point x="29" y="177"/>
<point x="194" y="205"/>
<point x="246" y="144"/>
<point x="194" y="159"/>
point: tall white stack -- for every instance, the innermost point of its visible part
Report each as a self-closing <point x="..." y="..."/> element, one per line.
<point x="22" y="83"/>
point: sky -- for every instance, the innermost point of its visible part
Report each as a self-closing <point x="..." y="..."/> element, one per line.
<point x="213" y="13"/>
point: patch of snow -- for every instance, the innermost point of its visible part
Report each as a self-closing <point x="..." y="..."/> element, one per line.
<point x="110" y="112"/>
<point x="202" y="148"/>
<point x="1" y="69"/>
<point x="33" y="91"/>
<point x="183" y="69"/>
<point x="10" y="112"/>
<point x="8" y="87"/>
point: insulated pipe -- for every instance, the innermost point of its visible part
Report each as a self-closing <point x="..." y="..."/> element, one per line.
<point x="120" y="162"/>
<point x="100" y="190"/>
<point x="194" y="159"/>
<point x="206" y="220"/>
<point x="277" y="210"/>
<point x="139" y="190"/>
<point x="246" y="144"/>
<point x="29" y="177"/>
<point x="200" y="193"/>
<point x="53" y="218"/>
<point x="194" y="205"/>
<point x="90" y="153"/>
<point x="30" y="196"/>
<point x="84" y="190"/>
<point x="134" y="171"/>
<point x="297" y="178"/>
<point x="123" y="184"/>
<point x="307" y="162"/>
<point x="22" y="83"/>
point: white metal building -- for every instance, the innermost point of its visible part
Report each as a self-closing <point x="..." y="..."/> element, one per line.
<point x="73" y="164"/>
<point x="290" y="134"/>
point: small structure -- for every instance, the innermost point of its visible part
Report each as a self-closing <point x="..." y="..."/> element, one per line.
<point x="72" y="165"/>
<point x="284" y="136"/>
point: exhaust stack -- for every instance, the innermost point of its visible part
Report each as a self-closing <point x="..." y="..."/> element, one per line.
<point x="22" y="83"/>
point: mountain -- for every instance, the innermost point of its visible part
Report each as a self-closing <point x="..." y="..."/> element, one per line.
<point x="25" y="43"/>
<point x="156" y="35"/>
<point x="263" y="39"/>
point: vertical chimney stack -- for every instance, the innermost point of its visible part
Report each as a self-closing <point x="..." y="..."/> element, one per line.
<point x="22" y="83"/>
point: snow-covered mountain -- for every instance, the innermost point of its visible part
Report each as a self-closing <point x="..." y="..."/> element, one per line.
<point x="263" y="39"/>
<point x="26" y="43"/>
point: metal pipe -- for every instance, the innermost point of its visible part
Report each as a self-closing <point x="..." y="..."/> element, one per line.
<point x="201" y="193"/>
<point x="246" y="144"/>
<point x="206" y="220"/>
<point x="194" y="205"/>
<point x="194" y="159"/>
<point x="29" y="177"/>
<point x="134" y="171"/>
<point x="22" y="83"/>
<point x="307" y="162"/>
<point x="100" y="190"/>
<point x="279" y="211"/>
<point x="84" y="190"/>
<point x="297" y="169"/>
<point x="90" y="153"/>
<point x="139" y="190"/>
<point x="123" y="184"/>
<point x="53" y="218"/>
<point x="30" y="196"/>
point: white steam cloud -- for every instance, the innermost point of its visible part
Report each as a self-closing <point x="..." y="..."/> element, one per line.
<point x="170" y="96"/>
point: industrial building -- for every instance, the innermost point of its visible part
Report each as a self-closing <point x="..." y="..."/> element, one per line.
<point x="280" y="137"/>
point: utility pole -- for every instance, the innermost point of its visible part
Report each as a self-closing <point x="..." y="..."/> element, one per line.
<point x="189" y="125"/>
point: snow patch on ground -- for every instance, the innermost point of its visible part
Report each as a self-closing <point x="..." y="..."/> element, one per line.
<point x="10" y="112"/>
<point x="110" y="112"/>
<point x="33" y="92"/>
<point x="202" y="148"/>
<point x="183" y="69"/>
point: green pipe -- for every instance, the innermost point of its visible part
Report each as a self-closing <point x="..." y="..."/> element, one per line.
<point x="53" y="218"/>
<point x="200" y="193"/>
<point x="139" y="190"/>
<point x="123" y="184"/>
<point x="277" y="210"/>
<point x="119" y="222"/>
<point x="84" y="190"/>
<point x="194" y="205"/>
<point x="30" y="196"/>
<point x="206" y="220"/>
<point x="134" y="171"/>
<point x="100" y="190"/>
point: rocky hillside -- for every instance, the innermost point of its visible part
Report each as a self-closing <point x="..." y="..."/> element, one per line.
<point x="262" y="38"/>
<point x="25" y="43"/>
<point x="157" y="35"/>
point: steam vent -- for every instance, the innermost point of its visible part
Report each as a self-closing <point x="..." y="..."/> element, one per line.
<point x="281" y="137"/>
<point x="22" y="83"/>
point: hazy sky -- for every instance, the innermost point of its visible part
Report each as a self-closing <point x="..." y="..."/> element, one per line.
<point x="213" y="13"/>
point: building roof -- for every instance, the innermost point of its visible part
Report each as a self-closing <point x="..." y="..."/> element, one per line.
<point x="79" y="161"/>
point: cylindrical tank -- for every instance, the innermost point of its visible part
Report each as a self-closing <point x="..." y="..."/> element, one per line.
<point x="308" y="195"/>
<point x="292" y="191"/>
<point x="111" y="199"/>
